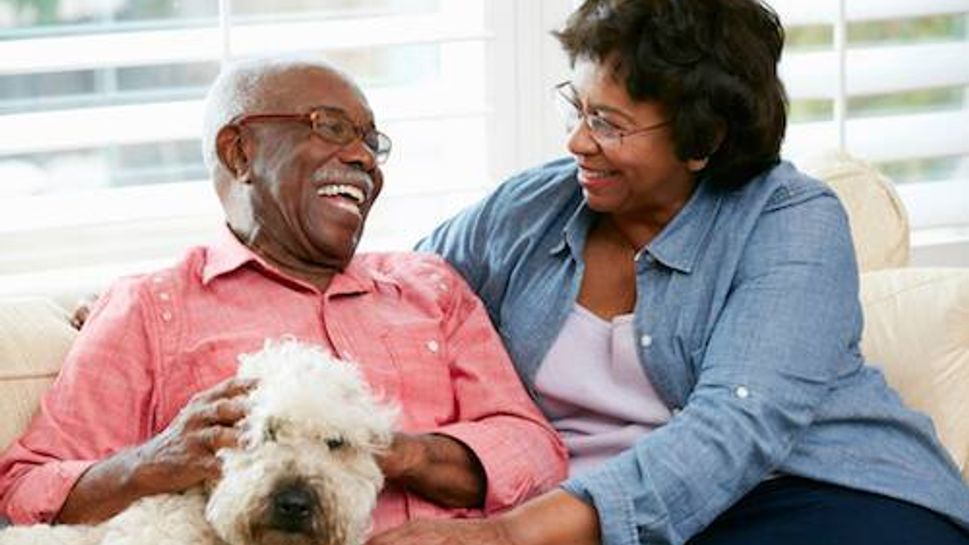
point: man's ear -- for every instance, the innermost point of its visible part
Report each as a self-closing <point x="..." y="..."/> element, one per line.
<point x="231" y="150"/>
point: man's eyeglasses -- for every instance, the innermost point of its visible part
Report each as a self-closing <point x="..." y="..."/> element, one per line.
<point x="334" y="126"/>
<point x="603" y="131"/>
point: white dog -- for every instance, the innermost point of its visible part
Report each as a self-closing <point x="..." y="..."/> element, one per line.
<point x="305" y="475"/>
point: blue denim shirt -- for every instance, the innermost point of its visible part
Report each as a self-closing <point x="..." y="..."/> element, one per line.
<point x="747" y="322"/>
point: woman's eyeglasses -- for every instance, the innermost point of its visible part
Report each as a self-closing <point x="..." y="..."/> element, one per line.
<point x="603" y="131"/>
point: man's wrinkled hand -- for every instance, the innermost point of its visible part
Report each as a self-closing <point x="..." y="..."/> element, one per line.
<point x="184" y="454"/>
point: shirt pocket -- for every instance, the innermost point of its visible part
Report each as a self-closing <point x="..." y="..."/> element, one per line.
<point x="204" y="364"/>
<point x="427" y="396"/>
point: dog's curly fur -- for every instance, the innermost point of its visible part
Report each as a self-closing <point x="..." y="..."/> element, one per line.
<point x="313" y="430"/>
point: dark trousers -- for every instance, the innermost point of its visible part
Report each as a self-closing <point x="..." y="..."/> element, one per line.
<point x="796" y="511"/>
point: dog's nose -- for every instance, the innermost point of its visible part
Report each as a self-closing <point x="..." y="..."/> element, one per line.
<point x="292" y="508"/>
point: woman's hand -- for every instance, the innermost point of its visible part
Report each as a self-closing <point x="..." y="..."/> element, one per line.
<point x="446" y="532"/>
<point x="554" y="518"/>
<point x="82" y="310"/>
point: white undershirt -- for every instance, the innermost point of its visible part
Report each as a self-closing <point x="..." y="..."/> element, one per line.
<point x="594" y="389"/>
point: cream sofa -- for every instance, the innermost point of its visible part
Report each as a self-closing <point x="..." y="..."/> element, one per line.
<point x="917" y="320"/>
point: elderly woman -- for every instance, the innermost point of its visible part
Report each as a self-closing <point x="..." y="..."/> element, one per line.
<point x="684" y="307"/>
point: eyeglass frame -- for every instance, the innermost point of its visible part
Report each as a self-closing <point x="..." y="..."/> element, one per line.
<point x="380" y="153"/>
<point x="588" y="119"/>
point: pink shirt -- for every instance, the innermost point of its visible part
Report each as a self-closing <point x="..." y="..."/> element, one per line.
<point x="419" y="334"/>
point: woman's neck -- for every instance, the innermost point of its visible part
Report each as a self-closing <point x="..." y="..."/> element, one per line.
<point x="641" y="226"/>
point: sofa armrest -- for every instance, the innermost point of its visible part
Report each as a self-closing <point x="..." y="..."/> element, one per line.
<point x="35" y="335"/>
<point x="917" y="332"/>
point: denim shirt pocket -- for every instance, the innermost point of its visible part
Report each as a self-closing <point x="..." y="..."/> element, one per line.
<point x="419" y="352"/>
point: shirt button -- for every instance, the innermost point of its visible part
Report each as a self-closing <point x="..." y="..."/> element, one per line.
<point x="164" y="296"/>
<point x="742" y="392"/>
<point x="433" y="346"/>
<point x="676" y="410"/>
<point x="645" y="341"/>
<point x="166" y="316"/>
<point x="157" y="279"/>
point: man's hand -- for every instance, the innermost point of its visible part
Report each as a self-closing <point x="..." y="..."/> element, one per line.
<point x="183" y="455"/>
<point x="180" y="457"/>
<point x="436" y="467"/>
<point x="445" y="532"/>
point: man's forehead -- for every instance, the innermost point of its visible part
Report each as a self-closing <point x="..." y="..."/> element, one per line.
<point x="310" y="87"/>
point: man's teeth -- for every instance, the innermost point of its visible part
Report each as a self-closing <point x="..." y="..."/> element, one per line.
<point x="341" y="190"/>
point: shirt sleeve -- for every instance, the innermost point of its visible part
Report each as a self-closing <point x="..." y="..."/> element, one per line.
<point x="99" y="404"/>
<point x="459" y="240"/>
<point x="520" y="452"/>
<point x="788" y="330"/>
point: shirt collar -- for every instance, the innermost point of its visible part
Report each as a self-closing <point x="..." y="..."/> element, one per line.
<point x="575" y="231"/>
<point x="677" y="246"/>
<point x="228" y="254"/>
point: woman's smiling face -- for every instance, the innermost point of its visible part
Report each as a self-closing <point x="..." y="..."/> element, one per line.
<point x="626" y="174"/>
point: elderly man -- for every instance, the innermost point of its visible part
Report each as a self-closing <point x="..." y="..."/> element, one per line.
<point x="144" y="399"/>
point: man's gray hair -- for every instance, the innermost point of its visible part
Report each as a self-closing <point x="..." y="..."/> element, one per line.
<point x="242" y="87"/>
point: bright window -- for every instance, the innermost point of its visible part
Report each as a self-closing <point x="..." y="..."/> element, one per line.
<point x="889" y="81"/>
<point x="100" y="113"/>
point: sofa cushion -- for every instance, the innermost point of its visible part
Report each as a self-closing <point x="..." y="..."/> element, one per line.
<point x="879" y="224"/>
<point x="917" y="332"/>
<point x="34" y="338"/>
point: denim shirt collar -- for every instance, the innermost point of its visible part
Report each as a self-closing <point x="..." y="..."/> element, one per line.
<point x="677" y="246"/>
<point x="575" y="231"/>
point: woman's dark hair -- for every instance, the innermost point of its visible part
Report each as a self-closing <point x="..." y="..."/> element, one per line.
<point x="712" y="64"/>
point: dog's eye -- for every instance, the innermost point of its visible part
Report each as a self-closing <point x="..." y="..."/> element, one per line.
<point x="272" y="429"/>
<point x="335" y="443"/>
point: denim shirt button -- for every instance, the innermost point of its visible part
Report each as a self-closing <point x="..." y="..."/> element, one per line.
<point x="742" y="392"/>
<point x="645" y="341"/>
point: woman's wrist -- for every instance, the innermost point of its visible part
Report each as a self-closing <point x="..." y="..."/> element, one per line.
<point x="554" y="518"/>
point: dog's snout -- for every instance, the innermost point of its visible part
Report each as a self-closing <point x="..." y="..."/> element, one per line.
<point x="292" y="508"/>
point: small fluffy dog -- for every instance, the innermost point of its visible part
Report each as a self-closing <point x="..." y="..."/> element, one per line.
<point x="305" y="475"/>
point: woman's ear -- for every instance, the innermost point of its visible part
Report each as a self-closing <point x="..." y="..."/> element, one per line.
<point x="699" y="163"/>
<point x="231" y="151"/>
<point x="696" y="165"/>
